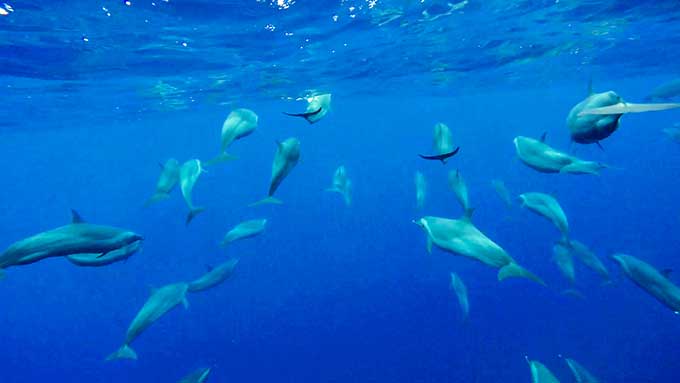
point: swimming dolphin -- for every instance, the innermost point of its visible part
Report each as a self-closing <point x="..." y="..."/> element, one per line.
<point x="588" y="258"/>
<point x="213" y="277"/>
<point x="160" y="302"/>
<point x="198" y="376"/>
<point x="188" y="175"/>
<point x="651" y="280"/>
<point x="78" y="237"/>
<point x="166" y="181"/>
<point x="245" y="229"/>
<point x="597" y="116"/>
<point x="342" y="185"/>
<point x="120" y="254"/>
<point x="581" y="375"/>
<point x="460" y="289"/>
<point x="564" y="260"/>
<point x="665" y="91"/>
<point x="287" y="156"/>
<point x="317" y="108"/>
<point x="457" y="184"/>
<point x="540" y="373"/>
<point x="461" y="237"/>
<point x="502" y="191"/>
<point x="673" y="133"/>
<point x="547" y="206"/>
<point x="421" y="189"/>
<point x="545" y="159"/>
<point x="239" y="123"/>
<point x="442" y="144"/>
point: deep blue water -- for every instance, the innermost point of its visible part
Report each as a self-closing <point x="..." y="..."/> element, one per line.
<point x="331" y="293"/>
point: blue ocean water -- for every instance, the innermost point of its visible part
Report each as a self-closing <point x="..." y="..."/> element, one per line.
<point x="96" y="94"/>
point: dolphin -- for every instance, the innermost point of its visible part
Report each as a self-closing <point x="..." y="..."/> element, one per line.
<point x="166" y="181"/>
<point x="581" y="375"/>
<point x="564" y="260"/>
<point x="457" y="184"/>
<point x="188" y="175"/>
<point x="287" y="156"/>
<point x="198" y="376"/>
<point x="540" y="373"/>
<point x="588" y="258"/>
<point x="597" y="116"/>
<point x="160" y="302"/>
<point x="545" y="159"/>
<point x="120" y="254"/>
<point x="460" y="236"/>
<point x="317" y="108"/>
<point x="442" y="144"/>
<point x="547" y="206"/>
<point x="502" y="191"/>
<point x="213" y="277"/>
<point x="245" y="229"/>
<point x="78" y="237"/>
<point x="673" y="133"/>
<point x="239" y="124"/>
<point x="651" y="280"/>
<point x="421" y="189"/>
<point x="342" y="184"/>
<point x="460" y="289"/>
<point x="665" y="91"/>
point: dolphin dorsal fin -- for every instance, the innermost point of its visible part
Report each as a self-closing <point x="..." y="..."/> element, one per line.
<point x="75" y="217"/>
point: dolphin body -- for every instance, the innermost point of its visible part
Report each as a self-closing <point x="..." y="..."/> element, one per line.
<point x="545" y="159"/>
<point x="317" y="108"/>
<point x="245" y="229"/>
<point x="460" y="289"/>
<point x="199" y="376"/>
<point x="651" y="280"/>
<point x="581" y="375"/>
<point x="565" y="261"/>
<point x="665" y="91"/>
<point x="342" y="184"/>
<point x="188" y="175"/>
<point x="117" y="255"/>
<point x="502" y="191"/>
<point x="460" y="236"/>
<point x="459" y="187"/>
<point x="166" y="181"/>
<point x="240" y="123"/>
<point x="588" y="258"/>
<point x="597" y="116"/>
<point x="421" y="189"/>
<point x="540" y="373"/>
<point x="547" y="206"/>
<point x="213" y="277"/>
<point x="78" y="237"/>
<point x="442" y="144"/>
<point x="287" y="156"/>
<point x="160" y="302"/>
<point x="673" y="133"/>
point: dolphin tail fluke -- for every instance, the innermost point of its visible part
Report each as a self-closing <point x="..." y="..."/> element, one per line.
<point x="265" y="201"/>
<point x="193" y="213"/>
<point x="625" y="107"/>
<point x="124" y="352"/>
<point x="513" y="270"/>
<point x="156" y="198"/>
<point x="223" y="157"/>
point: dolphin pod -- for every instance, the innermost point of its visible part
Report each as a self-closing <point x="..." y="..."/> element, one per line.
<point x="651" y="280"/>
<point x="598" y="116"/>
<point x="213" y="277"/>
<point x="160" y="302"/>
<point x="198" y="376"/>
<point x="459" y="187"/>
<point x="166" y="181"/>
<point x="188" y="175"/>
<point x="442" y="144"/>
<point x="545" y="159"/>
<point x="460" y="236"/>
<point x="245" y="229"/>
<point x="421" y="189"/>
<point x="317" y="108"/>
<point x="547" y="206"/>
<point x="540" y="373"/>
<point x="78" y="237"/>
<point x="342" y="184"/>
<point x="240" y="123"/>
<point x="286" y="157"/>
<point x="581" y="375"/>
<point x="460" y="289"/>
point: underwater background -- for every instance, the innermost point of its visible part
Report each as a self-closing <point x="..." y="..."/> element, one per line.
<point x="96" y="94"/>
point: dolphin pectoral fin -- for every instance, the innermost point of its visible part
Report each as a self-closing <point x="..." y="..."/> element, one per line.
<point x="223" y="157"/>
<point x="513" y="270"/>
<point x="75" y="217"/>
<point x="102" y="254"/>
<point x="193" y="213"/>
<point x="185" y="303"/>
<point x="267" y="200"/>
<point x="124" y="352"/>
<point x="156" y="198"/>
<point x="624" y="107"/>
<point x="429" y="245"/>
<point x="305" y="115"/>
